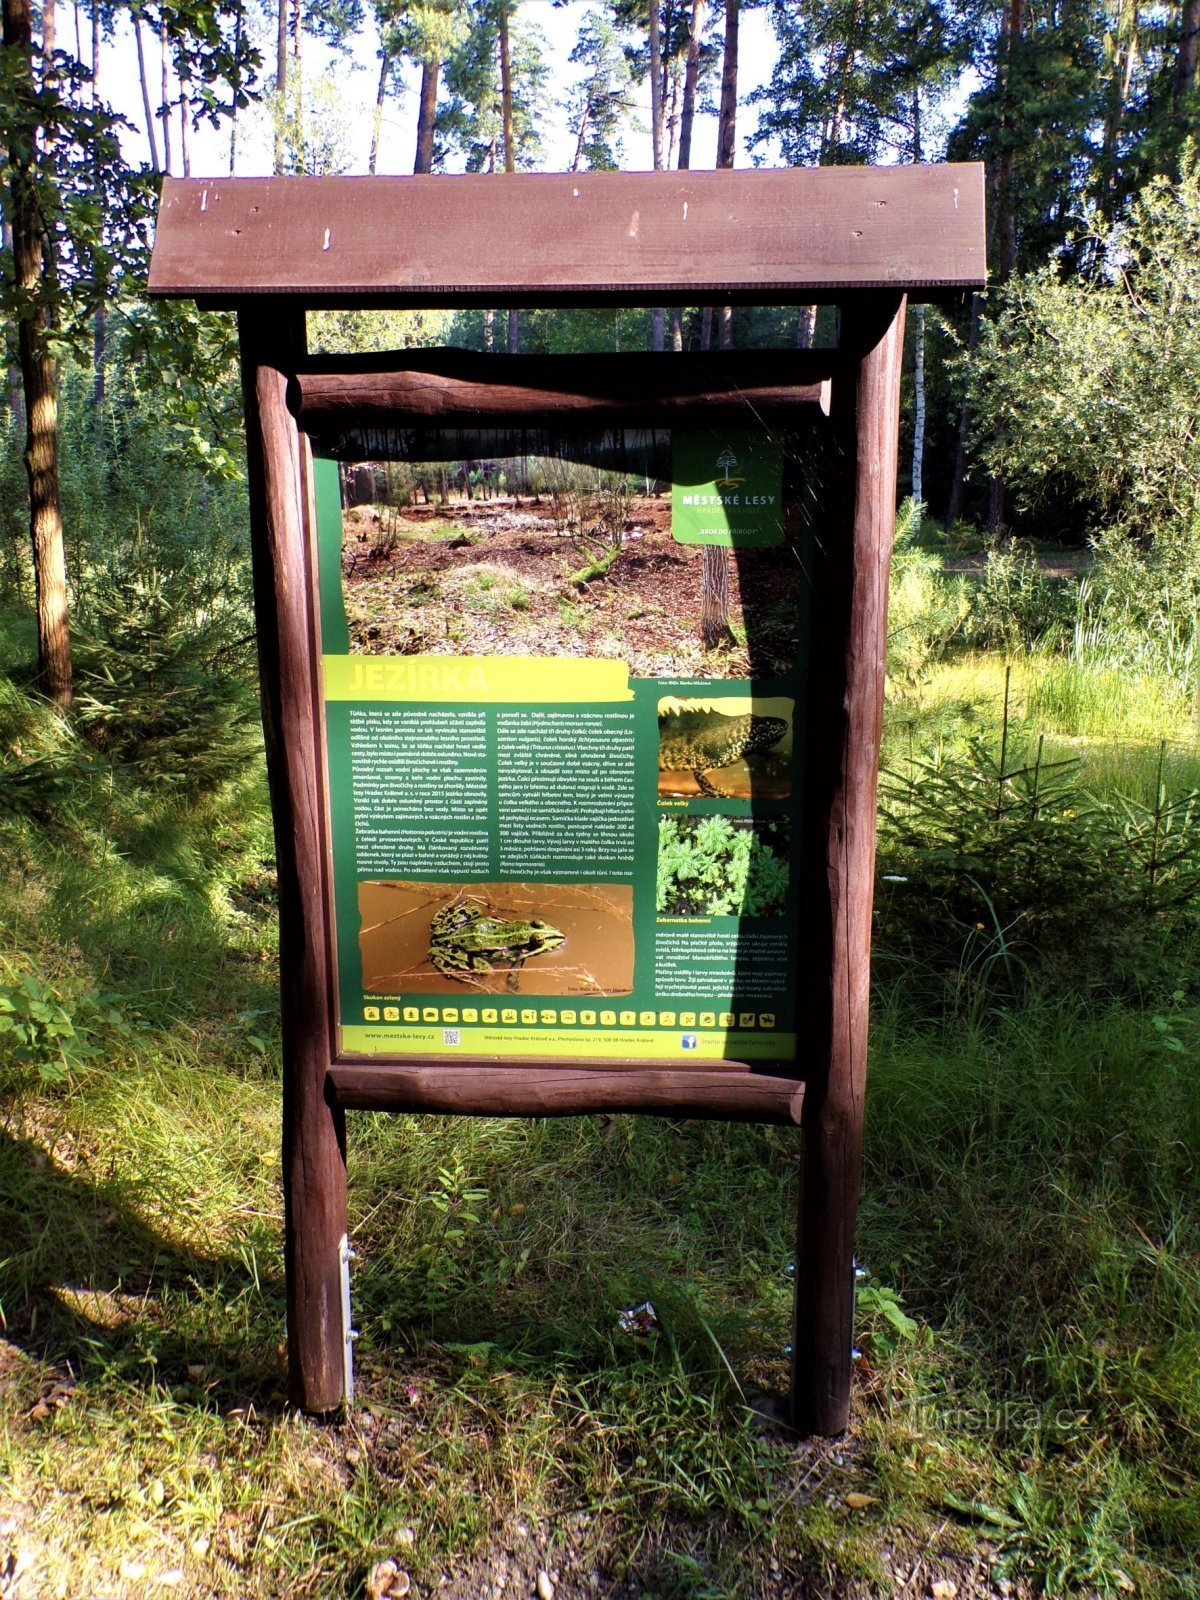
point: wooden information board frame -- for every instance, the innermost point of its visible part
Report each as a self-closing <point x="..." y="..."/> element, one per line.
<point x="864" y="238"/>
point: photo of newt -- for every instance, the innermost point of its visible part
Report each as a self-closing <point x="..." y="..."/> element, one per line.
<point x="496" y="938"/>
<point x="728" y="748"/>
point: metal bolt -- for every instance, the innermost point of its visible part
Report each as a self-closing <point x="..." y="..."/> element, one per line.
<point x="790" y="1270"/>
<point x="856" y="1355"/>
<point x="787" y="1350"/>
<point x="352" y="1333"/>
<point x="860" y="1273"/>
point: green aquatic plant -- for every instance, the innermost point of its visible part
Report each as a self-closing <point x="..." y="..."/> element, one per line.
<point x="721" y="867"/>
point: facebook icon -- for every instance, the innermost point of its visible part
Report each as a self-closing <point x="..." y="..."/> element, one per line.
<point x="689" y="1041"/>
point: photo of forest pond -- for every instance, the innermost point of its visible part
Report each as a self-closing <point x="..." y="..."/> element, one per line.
<point x="551" y="559"/>
<point x="496" y="938"/>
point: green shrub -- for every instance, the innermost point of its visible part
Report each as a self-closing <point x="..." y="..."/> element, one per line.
<point x="926" y="609"/>
<point x="161" y="685"/>
<point x="998" y="866"/>
<point x="1015" y="606"/>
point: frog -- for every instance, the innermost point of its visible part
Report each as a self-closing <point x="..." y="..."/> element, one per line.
<point x="465" y="940"/>
<point x="701" y="742"/>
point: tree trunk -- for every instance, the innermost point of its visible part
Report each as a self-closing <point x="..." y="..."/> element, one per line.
<point x="1184" y="79"/>
<point x="281" y="77"/>
<point x="39" y="376"/>
<point x="1006" y="217"/>
<point x="16" y="403"/>
<point x="377" y="122"/>
<point x="164" y="109"/>
<point x="672" y="112"/>
<point x="506" y="105"/>
<point x="959" y="476"/>
<point x="918" y="458"/>
<point x="691" y="79"/>
<point x="656" y="86"/>
<point x="233" y="110"/>
<point x="427" y="114"/>
<point x="510" y="154"/>
<point x="727" y="116"/>
<point x="726" y="134"/>
<point x="185" y="117"/>
<point x="806" y="326"/>
<point x="714" y="595"/>
<point x="141" y="57"/>
<point x="99" y="317"/>
<point x="656" y="135"/>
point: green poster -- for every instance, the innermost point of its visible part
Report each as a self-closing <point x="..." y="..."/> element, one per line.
<point x="726" y="488"/>
<point x="550" y="836"/>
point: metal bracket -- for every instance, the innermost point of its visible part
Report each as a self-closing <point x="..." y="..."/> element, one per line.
<point x="349" y="1334"/>
<point x="858" y="1274"/>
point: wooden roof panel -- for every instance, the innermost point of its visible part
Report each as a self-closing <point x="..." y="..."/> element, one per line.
<point x="596" y="237"/>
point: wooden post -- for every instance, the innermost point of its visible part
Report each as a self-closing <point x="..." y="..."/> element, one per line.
<point x="314" y="1143"/>
<point x="854" y="541"/>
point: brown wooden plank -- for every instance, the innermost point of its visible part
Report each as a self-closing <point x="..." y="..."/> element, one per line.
<point x="459" y="388"/>
<point x="729" y="1090"/>
<point x="845" y="715"/>
<point x="549" y="238"/>
<point x="314" y="1160"/>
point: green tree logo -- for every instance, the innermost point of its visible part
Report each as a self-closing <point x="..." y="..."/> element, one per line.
<point x="726" y="461"/>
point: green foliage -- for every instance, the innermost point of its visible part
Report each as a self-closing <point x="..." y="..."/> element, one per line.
<point x="162" y="684"/>
<point x="720" y="867"/>
<point x="926" y="609"/>
<point x="40" y="1032"/>
<point x="470" y="120"/>
<point x="1097" y="381"/>
<point x="1015" y="606"/>
<point x="999" y="867"/>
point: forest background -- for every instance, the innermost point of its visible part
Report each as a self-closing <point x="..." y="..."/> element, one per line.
<point x="1026" y="1410"/>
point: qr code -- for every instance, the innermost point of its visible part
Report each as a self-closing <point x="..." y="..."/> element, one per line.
<point x="451" y="1036"/>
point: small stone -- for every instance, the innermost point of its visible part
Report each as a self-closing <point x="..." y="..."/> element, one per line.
<point x="353" y="1456"/>
<point x="545" y="1588"/>
<point x="201" y="1546"/>
<point x="522" y="1531"/>
<point x="406" y="1536"/>
<point x="943" y="1589"/>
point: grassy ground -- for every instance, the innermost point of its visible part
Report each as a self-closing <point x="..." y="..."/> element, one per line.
<point x="1026" y="1412"/>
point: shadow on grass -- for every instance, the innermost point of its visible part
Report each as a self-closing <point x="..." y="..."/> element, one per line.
<point x="88" y="1285"/>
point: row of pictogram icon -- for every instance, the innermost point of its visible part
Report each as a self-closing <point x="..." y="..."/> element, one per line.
<point x="527" y="1017"/>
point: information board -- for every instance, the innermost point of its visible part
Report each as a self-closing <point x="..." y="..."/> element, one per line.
<point x="559" y="827"/>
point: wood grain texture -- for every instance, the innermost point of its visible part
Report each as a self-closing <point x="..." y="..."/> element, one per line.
<point x="314" y="1162"/>
<point x="614" y="238"/>
<point x="458" y="388"/>
<point x="727" y="1090"/>
<point x="838" y="846"/>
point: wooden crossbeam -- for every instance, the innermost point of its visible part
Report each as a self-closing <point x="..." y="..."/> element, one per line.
<point x="600" y="238"/>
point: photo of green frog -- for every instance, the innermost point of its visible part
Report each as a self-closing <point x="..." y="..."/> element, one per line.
<point x="496" y="938"/>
